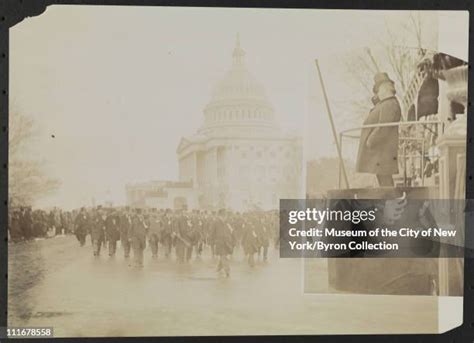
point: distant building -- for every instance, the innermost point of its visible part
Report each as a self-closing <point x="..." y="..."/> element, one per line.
<point x="161" y="194"/>
<point x="239" y="158"/>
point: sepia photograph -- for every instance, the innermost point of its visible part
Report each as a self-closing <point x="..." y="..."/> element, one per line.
<point x="148" y="162"/>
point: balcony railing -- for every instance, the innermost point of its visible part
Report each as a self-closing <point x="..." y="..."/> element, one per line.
<point x="404" y="156"/>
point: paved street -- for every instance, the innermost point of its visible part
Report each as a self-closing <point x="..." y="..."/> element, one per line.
<point x="54" y="282"/>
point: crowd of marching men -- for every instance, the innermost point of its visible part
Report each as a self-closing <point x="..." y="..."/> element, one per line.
<point x="25" y="224"/>
<point x="165" y="232"/>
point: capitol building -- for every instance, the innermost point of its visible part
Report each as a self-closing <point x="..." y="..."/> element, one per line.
<point x="238" y="159"/>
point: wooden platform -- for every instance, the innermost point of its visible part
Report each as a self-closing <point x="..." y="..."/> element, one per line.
<point x="403" y="276"/>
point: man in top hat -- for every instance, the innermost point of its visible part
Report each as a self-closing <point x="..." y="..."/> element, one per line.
<point x="378" y="146"/>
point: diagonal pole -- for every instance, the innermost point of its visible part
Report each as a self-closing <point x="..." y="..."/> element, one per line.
<point x="333" y="127"/>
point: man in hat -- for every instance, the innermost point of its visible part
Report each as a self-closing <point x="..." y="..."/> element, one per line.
<point x="154" y="234"/>
<point x="98" y="231"/>
<point x="378" y="146"/>
<point x="112" y="231"/>
<point x="167" y="231"/>
<point x="81" y="226"/>
<point x="138" y="237"/>
<point x="223" y="240"/>
<point x="125" y="228"/>
<point x="250" y="241"/>
<point x="182" y="229"/>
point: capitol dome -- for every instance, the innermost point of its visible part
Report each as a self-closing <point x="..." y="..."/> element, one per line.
<point x="238" y="99"/>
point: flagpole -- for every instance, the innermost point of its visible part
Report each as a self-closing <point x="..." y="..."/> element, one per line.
<point x="333" y="127"/>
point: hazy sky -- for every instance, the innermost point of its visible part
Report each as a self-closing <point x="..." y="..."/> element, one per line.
<point x="119" y="86"/>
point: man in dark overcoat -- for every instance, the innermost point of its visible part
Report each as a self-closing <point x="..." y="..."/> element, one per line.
<point x="80" y="226"/>
<point x="378" y="146"/>
<point x="98" y="230"/>
<point x="112" y="231"/>
<point x="250" y="242"/>
<point x="154" y="233"/>
<point x="138" y="237"/>
<point x="224" y="241"/>
<point x="125" y="228"/>
<point x="181" y="231"/>
<point x="167" y="232"/>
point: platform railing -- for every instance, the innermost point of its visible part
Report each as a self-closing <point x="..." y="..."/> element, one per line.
<point x="349" y="133"/>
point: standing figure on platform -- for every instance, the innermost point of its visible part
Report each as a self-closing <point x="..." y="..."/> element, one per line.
<point x="378" y="146"/>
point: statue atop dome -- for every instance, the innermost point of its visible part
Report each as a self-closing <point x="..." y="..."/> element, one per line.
<point x="238" y="53"/>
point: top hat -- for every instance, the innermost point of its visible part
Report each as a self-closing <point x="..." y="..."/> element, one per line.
<point x="380" y="78"/>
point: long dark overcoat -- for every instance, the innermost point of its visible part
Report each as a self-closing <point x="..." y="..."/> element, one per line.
<point x="222" y="237"/>
<point x="378" y="147"/>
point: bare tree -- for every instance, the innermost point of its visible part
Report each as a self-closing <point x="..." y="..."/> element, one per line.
<point x="27" y="179"/>
<point x="397" y="53"/>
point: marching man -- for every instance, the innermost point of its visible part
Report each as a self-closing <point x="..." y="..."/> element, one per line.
<point x="138" y="237"/>
<point x="224" y="242"/>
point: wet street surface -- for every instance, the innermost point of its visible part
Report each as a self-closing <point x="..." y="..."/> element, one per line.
<point x="54" y="282"/>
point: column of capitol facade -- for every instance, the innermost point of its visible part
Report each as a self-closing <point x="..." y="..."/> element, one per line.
<point x="240" y="158"/>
